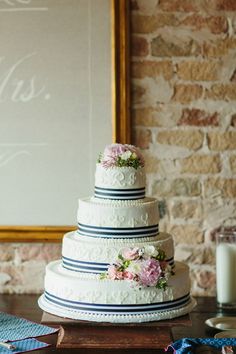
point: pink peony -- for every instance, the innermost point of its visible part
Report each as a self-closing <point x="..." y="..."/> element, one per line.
<point x="150" y="272"/>
<point x="113" y="273"/>
<point x="113" y="151"/>
<point x="130" y="254"/>
<point x="111" y="154"/>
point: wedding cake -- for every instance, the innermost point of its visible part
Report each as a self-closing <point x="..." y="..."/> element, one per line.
<point x="118" y="266"/>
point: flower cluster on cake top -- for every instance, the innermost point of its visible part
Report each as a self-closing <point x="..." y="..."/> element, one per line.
<point x="121" y="155"/>
<point x="142" y="266"/>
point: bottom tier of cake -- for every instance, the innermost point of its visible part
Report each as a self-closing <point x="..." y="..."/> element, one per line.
<point x="86" y="297"/>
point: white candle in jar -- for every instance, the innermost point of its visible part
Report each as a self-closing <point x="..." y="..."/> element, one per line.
<point x="226" y="272"/>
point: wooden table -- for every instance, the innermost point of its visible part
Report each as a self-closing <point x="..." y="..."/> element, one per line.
<point x="26" y="306"/>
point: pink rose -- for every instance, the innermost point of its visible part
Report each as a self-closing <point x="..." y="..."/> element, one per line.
<point x="130" y="253"/>
<point x="128" y="275"/>
<point x="113" y="273"/>
<point x="150" y="272"/>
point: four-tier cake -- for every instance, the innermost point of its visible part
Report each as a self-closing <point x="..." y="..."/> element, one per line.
<point x="118" y="266"/>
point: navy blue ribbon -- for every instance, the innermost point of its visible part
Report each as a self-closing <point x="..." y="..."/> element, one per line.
<point x="118" y="232"/>
<point x="116" y="309"/>
<point x="120" y="194"/>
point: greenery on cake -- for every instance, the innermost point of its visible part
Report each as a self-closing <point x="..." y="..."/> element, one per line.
<point x="143" y="267"/>
<point x="121" y="155"/>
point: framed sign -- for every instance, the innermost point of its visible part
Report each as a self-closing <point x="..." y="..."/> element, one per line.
<point x="64" y="94"/>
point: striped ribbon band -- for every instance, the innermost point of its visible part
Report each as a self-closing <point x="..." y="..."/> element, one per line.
<point x="92" y="267"/>
<point x="116" y="309"/>
<point x="120" y="194"/>
<point x="118" y="232"/>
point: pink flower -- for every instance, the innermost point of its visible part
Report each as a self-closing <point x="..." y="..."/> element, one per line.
<point x="113" y="273"/>
<point x="111" y="154"/>
<point x="130" y="254"/>
<point x="128" y="275"/>
<point x="150" y="272"/>
<point x="114" y="151"/>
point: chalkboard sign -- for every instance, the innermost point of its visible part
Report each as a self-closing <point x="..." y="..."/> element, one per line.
<point x="55" y="106"/>
<point x="64" y="94"/>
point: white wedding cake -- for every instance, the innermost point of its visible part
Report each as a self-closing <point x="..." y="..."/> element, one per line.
<point x="118" y="267"/>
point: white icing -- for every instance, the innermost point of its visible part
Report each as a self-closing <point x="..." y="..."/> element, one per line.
<point x="120" y="177"/>
<point x="89" y="249"/>
<point x="89" y="288"/>
<point x="110" y="213"/>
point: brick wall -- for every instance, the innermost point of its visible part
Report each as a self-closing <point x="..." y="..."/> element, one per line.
<point x="184" y="119"/>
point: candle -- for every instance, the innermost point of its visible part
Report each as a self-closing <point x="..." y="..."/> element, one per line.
<point x="226" y="269"/>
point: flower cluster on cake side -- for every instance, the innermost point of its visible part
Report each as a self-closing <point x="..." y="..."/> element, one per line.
<point x="143" y="267"/>
<point x="121" y="155"/>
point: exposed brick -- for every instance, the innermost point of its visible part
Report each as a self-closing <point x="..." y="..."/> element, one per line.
<point x="161" y="47"/>
<point x="178" y="5"/>
<point x="219" y="47"/>
<point x="225" y="188"/>
<point x="186" y="187"/>
<point x="187" y="209"/>
<point x="152" y="69"/>
<point x="185" y="93"/>
<point x="151" y="164"/>
<point x="139" y="46"/>
<point x="143" y="138"/>
<point x="198" y="254"/>
<point x="216" y="24"/>
<point x="232" y="161"/>
<point x="200" y="164"/>
<point x="187" y="253"/>
<point x="26" y="278"/>
<point x="198" y="71"/>
<point x="146" y="117"/>
<point x="189" y="234"/>
<point x="148" y="24"/>
<point x="188" y="139"/>
<point x="205" y="279"/>
<point x="222" y="141"/>
<point x="226" y="92"/>
<point x="233" y="77"/>
<point x="137" y="93"/>
<point x="223" y="5"/>
<point x="6" y="252"/>
<point x="233" y="120"/>
<point x="199" y="117"/>
<point x="46" y="252"/>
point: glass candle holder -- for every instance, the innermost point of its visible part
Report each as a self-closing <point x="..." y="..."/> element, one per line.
<point x="226" y="269"/>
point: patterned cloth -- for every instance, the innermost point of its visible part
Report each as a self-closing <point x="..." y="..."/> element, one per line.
<point x="14" y="328"/>
<point x="24" y="345"/>
<point x="187" y="345"/>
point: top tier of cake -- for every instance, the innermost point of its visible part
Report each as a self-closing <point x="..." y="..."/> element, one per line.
<point x="120" y="173"/>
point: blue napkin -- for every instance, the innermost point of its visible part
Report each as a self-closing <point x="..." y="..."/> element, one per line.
<point x="24" y="345"/>
<point x="186" y="345"/>
<point x="16" y="328"/>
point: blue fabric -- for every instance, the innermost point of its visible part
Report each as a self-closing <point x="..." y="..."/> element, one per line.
<point x="16" y="328"/>
<point x="24" y="345"/>
<point x="186" y="345"/>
